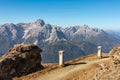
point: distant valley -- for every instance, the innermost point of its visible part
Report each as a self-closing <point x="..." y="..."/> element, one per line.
<point x="74" y="40"/>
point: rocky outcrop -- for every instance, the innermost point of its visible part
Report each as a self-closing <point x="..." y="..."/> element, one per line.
<point x="106" y="72"/>
<point x="110" y="71"/>
<point x="22" y="59"/>
<point x="115" y="55"/>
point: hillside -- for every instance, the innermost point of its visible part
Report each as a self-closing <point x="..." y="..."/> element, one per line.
<point x="76" y="41"/>
<point x="114" y="33"/>
<point x="83" y="68"/>
<point x="72" y="50"/>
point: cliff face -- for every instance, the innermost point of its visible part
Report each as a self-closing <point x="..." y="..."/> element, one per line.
<point x="20" y="60"/>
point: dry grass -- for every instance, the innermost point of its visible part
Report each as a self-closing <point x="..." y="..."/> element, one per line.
<point x="82" y="68"/>
<point x="88" y="72"/>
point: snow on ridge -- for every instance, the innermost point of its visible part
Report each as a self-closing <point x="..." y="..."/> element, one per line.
<point x="36" y="42"/>
<point x="27" y="29"/>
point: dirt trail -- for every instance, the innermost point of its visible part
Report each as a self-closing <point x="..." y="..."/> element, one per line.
<point x="61" y="73"/>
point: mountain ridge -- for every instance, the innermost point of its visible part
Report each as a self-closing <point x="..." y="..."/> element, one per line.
<point x="44" y="35"/>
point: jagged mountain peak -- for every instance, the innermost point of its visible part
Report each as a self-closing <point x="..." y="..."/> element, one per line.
<point x="39" y="22"/>
<point x="86" y="27"/>
<point x="12" y="24"/>
<point x="7" y="24"/>
<point x="82" y="31"/>
<point x="42" y="34"/>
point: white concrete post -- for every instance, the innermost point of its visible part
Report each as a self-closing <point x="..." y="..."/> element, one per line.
<point x="100" y="51"/>
<point x="61" y="58"/>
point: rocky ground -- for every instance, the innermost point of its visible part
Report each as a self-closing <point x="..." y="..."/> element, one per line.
<point x="111" y="71"/>
<point x="83" y="68"/>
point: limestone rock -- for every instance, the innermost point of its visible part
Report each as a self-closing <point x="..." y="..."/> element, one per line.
<point x="115" y="54"/>
<point x="22" y="59"/>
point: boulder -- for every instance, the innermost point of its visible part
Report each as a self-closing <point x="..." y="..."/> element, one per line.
<point x="20" y="60"/>
<point x="115" y="54"/>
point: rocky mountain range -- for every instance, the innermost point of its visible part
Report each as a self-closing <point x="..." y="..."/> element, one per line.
<point x="74" y="40"/>
<point x="114" y="33"/>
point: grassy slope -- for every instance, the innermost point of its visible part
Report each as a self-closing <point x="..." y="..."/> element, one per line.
<point x="82" y="68"/>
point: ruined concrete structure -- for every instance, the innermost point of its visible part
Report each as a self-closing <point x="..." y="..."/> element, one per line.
<point x="111" y="69"/>
<point x="61" y="58"/>
<point x="100" y="51"/>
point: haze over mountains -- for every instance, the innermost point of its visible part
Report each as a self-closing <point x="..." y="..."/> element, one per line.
<point x="74" y="40"/>
<point x="114" y="33"/>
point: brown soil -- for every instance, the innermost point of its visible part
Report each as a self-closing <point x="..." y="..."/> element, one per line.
<point x="83" y="68"/>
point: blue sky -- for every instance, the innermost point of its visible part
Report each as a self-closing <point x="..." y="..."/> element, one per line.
<point x="104" y="14"/>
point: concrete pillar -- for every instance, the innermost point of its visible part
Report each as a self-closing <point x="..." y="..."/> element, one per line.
<point x="100" y="51"/>
<point x="61" y="58"/>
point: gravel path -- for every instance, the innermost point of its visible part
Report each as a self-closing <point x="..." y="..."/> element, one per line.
<point x="60" y="73"/>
